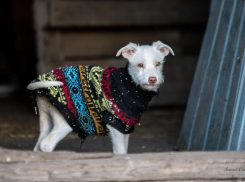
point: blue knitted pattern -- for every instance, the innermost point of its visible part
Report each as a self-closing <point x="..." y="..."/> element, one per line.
<point x="74" y="86"/>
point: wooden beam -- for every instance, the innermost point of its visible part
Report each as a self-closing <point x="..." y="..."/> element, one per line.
<point x="73" y="13"/>
<point x="17" y="156"/>
<point x="171" y="166"/>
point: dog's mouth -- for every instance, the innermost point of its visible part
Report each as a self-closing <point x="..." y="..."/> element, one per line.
<point x="150" y="85"/>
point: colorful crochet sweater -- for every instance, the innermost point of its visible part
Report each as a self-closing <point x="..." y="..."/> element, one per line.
<point x="92" y="97"/>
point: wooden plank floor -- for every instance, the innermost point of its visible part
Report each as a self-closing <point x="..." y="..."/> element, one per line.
<point x="170" y="166"/>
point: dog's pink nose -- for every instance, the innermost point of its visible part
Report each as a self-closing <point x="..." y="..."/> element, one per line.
<point x="152" y="79"/>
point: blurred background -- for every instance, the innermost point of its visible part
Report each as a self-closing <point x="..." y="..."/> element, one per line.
<point x="39" y="35"/>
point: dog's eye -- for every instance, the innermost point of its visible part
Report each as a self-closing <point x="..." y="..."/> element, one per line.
<point x="140" y="65"/>
<point x="158" y="64"/>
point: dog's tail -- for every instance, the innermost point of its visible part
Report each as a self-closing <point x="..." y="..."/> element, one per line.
<point x="37" y="85"/>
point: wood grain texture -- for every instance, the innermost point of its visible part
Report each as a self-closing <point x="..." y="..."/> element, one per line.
<point x="49" y="52"/>
<point x="237" y="135"/>
<point x="90" y="44"/>
<point x="72" y="13"/>
<point x="223" y="85"/>
<point x="187" y="130"/>
<point x="215" y="116"/>
<point x="172" y="166"/>
<point x="228" y="123"/>
<point x="58" y="48"/>
<point x="211" y="79"/>
<point x="17" y="156"/>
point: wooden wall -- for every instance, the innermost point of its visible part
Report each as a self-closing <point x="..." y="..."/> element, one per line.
<point x="72" y="32"/>
<point x="215" y="117"/>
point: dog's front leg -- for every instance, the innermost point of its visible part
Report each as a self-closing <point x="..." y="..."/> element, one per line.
<point x="118" y="142"/>
<point x="126" y="138"/>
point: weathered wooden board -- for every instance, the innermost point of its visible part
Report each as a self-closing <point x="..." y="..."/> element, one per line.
<point x="57" y="48"/>
<point x="99" y="44"/>
<point x="215" y="117"/>
<point x="236" y="140"/>
<point x="49" y="52"/>
<point x="219" y="113"/>
<point x="16" y="156"/>
<point x="90" y="45"/>
<point x="72" y="13"/>
<point x="172" y="166"/>
<point x="211" y="80"/>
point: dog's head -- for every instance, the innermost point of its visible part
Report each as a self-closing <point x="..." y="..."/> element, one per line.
<point x="146" y="63"/>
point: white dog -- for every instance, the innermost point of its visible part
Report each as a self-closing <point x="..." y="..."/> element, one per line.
<point x="115" y="98"/>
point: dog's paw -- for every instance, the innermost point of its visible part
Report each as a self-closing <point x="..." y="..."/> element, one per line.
<point x="45" y="147"/>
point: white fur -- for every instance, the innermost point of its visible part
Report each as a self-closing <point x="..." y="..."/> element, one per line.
<point x="119" y="141"/>
<point x="149" y="56"/>
<point x="37" y="85"/>
<point x="53" y="126"/>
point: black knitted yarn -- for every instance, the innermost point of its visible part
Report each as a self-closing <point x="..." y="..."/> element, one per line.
<point x="131" y="98"/>
<point x="110" y="119"/>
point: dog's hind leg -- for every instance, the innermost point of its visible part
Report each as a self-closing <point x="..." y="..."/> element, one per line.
<point x="117" y="139"/>
<point x="45" y="120"/>
<point x="60" y="129"/>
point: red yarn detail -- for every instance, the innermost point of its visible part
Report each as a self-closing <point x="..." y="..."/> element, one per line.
<point x="107" y="92"/>
<point x="70" y="105"/>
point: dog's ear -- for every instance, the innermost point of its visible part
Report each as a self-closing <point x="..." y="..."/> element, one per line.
<point x="128" y="50"/>
<point x="163" y="48"/>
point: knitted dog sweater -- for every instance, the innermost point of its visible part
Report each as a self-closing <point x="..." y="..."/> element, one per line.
<point x="92" y="97"/>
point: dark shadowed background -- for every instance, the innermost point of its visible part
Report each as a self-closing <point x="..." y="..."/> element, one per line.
<point x="37" y="36"/>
